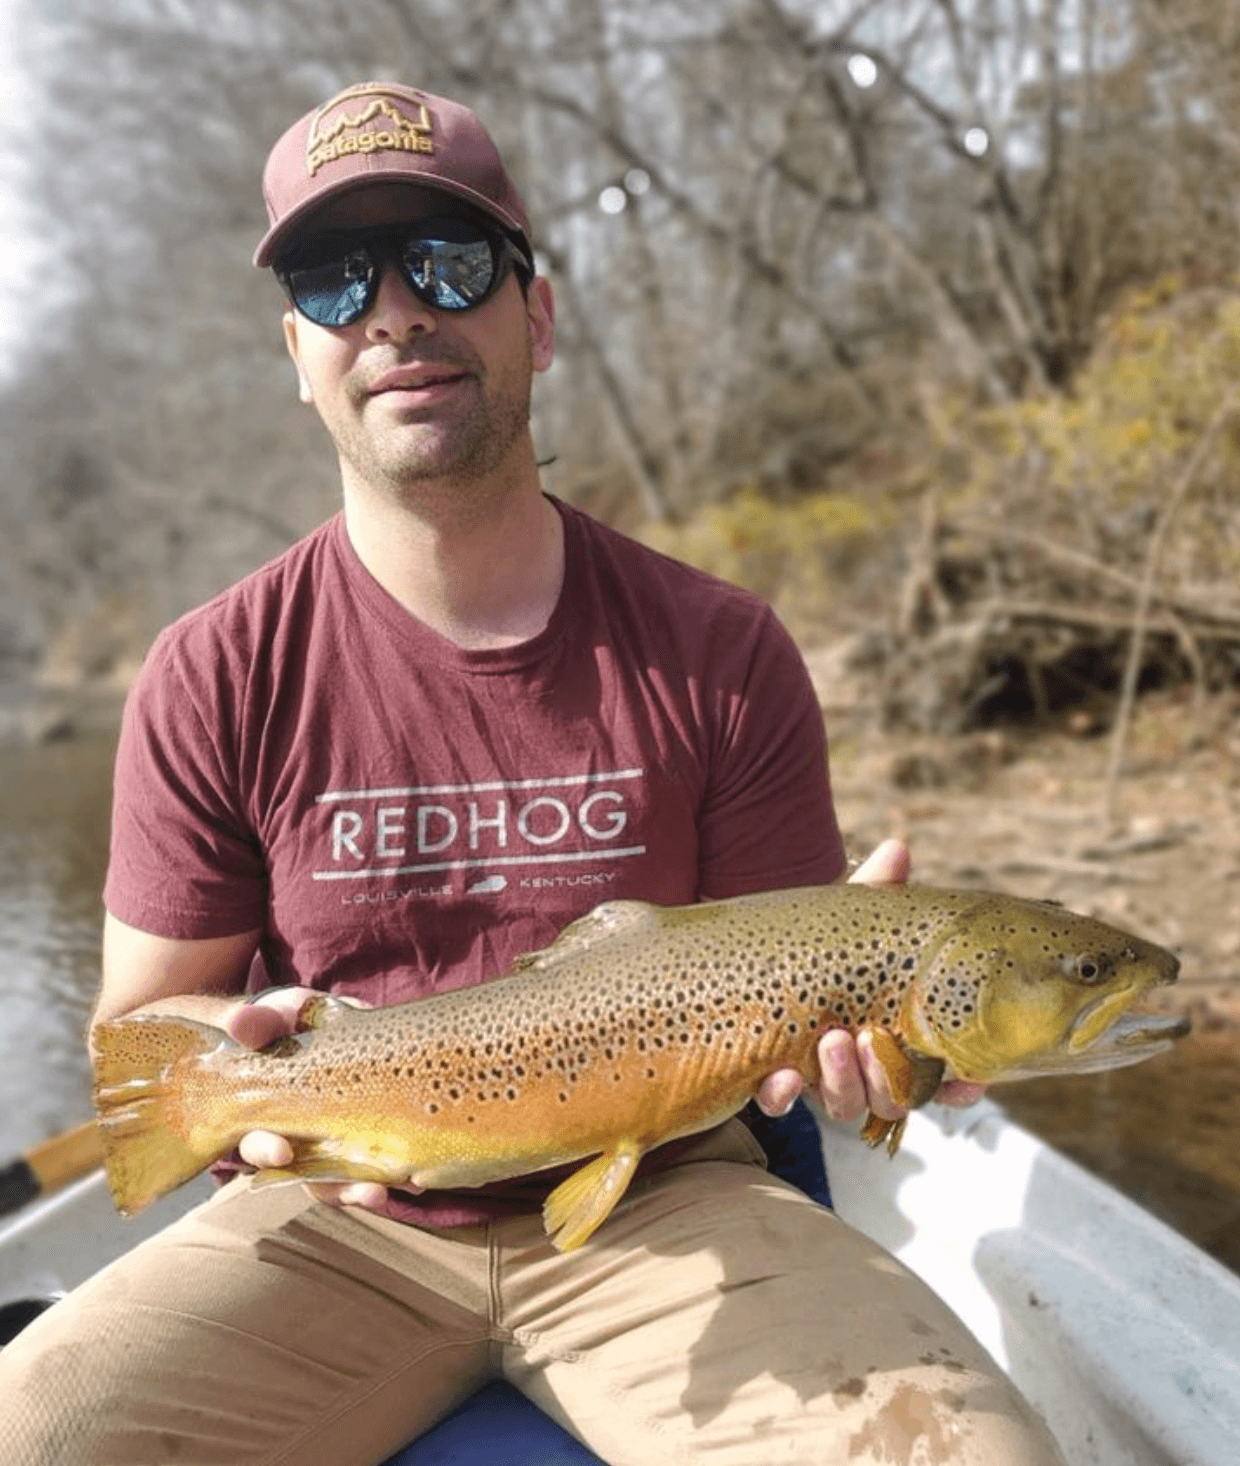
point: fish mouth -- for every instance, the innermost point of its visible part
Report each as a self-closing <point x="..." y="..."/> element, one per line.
<point x="1129" y="1039"/>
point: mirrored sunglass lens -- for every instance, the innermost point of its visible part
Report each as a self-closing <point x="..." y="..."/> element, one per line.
<point x="451" y="274"/>
<point x="334" y="292"/>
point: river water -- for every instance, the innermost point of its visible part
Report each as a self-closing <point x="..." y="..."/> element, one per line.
<point x="1166" y="1132"/>
<point x="54" y="801"/>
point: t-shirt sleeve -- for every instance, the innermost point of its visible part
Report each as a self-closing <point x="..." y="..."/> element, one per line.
<point x="768" y="819"/>
<point x="184" y="861"/>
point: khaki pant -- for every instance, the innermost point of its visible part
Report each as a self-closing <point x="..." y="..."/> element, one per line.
<point x="719" y="1316"/>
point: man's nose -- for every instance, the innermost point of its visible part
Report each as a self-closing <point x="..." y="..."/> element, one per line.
<point x="397" y="313"/>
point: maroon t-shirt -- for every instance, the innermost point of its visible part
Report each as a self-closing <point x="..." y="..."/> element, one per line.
<point x="401" y="817"/>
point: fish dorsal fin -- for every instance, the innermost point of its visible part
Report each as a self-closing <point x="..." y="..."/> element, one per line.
<point x="323" y="1009"/>
<point x="606" y="923"/>
<point x="319" y="1011"/>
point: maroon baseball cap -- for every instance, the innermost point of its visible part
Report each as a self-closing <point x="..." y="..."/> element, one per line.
<point x="380" y="132"/>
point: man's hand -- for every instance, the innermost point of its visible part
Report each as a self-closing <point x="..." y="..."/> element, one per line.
<point x="268" y="1017"/>
<point x="853" y="1082"/>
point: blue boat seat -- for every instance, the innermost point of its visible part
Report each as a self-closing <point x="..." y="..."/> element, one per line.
<point x="496" y="1427"/>
<point x="499" y="1427"/>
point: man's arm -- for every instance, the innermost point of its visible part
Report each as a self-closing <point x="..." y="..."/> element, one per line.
<point x="142" y="971"/>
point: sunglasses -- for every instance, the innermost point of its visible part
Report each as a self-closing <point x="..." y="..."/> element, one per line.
<point x="451" y="264"/>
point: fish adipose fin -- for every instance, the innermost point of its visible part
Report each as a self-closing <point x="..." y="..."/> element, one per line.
<point x="582" y="1203"/>
<point x="145" y="1150"/>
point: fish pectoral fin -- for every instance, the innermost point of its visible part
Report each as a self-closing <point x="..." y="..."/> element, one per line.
<point x="581" y="1204"/>
<point x="912" y="1078"/>
<point x="876" y="1130"/>
<point x="275" y="1176"/>
<point x="321" y="1010"/>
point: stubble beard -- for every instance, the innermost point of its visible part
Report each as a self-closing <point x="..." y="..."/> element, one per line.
<point x="467" y="447"/>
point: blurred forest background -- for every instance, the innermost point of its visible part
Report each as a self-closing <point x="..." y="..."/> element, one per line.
<point x="919" y="316"/>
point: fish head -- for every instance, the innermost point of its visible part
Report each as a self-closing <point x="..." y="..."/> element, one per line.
<point x="1024" y="988"/>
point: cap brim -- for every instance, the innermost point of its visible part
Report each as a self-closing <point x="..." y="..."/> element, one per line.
<point x="273" y="242"/>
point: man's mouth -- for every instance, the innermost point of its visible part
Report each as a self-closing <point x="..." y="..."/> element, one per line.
<point x="420" y="379"/>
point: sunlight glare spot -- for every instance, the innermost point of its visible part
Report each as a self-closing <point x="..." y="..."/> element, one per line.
<point x="862" y="70"/>
<point x="976" y="142"/>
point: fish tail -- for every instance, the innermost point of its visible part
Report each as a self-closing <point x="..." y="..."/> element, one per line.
<point x="148" y="1148"/>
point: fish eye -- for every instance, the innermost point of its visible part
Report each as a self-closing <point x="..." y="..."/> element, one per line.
<point x="1090" y="968"/>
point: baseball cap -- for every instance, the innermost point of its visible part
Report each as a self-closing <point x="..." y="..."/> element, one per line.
<point x="381" y="132"/>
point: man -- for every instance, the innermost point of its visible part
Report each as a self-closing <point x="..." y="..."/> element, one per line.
<point x="413" y="747"/>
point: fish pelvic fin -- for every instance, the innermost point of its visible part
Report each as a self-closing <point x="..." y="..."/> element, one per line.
<point x="146" y="1150"/>
<point x="580" y="1205"/>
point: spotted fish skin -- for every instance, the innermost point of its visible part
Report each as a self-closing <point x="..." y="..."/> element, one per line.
<point x="638" y="1025"/>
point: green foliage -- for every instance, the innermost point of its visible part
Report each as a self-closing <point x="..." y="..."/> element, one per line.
<point x="1094" y="466"/>
<point x="798" y="553"/>
<point x="1049" y="500"/>
<point x="1166" y="361"/>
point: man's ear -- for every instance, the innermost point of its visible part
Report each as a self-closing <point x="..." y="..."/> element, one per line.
<point x="540" y="310"/>
<point x="304" y="390"/>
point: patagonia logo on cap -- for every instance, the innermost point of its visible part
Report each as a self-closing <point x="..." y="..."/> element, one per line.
<point x="373" y="120"/>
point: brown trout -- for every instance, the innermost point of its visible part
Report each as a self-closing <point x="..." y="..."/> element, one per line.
<point x="639" y="1024"/>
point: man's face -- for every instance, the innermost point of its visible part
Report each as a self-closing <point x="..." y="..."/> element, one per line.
<point x="410" y="393"/>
